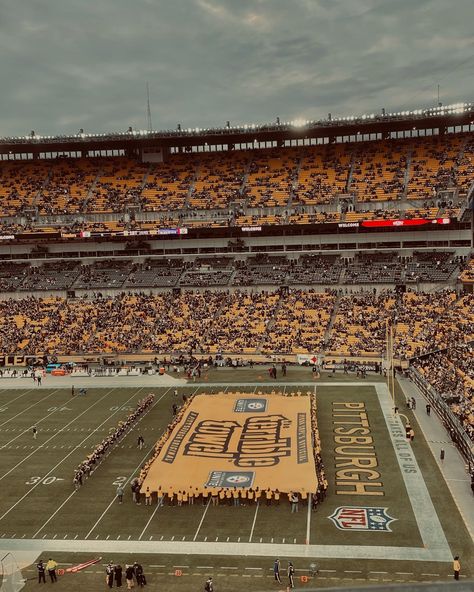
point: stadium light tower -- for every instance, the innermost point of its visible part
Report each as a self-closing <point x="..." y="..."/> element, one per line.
<point x="148" y="110"/>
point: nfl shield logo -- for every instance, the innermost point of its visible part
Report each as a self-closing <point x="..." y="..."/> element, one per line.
<point x="362" y="518"/>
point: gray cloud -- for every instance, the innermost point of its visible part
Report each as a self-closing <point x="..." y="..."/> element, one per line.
<point x="66" y="65"/>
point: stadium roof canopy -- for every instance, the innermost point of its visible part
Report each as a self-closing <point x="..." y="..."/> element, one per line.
<point x="441" y="118"/>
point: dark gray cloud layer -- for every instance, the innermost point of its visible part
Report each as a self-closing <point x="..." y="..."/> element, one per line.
<point x="66" y="64"/>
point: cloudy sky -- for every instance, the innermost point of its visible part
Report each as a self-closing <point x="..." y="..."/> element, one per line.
<point x="67" y="64"/>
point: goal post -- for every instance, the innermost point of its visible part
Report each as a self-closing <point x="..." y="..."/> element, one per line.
<point x="11" y="577"/>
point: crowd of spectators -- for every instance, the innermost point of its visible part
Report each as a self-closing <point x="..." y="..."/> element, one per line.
<point x="382" y="170"/>
<point x="360" y="326"/>
<point x="208" y="322"/>
<point x="370" y="268"/>
<point x="451" y="374"/>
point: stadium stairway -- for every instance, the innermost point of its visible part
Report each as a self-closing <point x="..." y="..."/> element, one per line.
<point x="191" y="188"/>
<point x="269" y="325"/>
<point x="407" y="176"/>
<point x="90" y="193"/>
<point x="43" y="187"/>
<point x="349" y="175"/>
<point x="332" y="320"/>
<point x="146" y="174"/>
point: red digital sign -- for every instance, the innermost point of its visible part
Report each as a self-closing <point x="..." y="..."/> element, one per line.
<point x="406" y="222"/>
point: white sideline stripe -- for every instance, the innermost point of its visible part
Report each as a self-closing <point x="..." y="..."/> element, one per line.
<point x="71" y="494"/>
<point x="37" y="403"/>
<point x="254" y="521"/>
<point x="57" y="464"/>
<point x="131" y="474"/>
<point x="221" y="548"/>
<point x="426" y="517"/>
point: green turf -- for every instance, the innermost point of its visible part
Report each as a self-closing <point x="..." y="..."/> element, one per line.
<point x="46" y="511"/>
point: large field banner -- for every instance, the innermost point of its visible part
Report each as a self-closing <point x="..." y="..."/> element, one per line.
<point x="236" y="440"/>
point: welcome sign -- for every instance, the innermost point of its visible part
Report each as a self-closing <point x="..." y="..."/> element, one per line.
<point x="232" y="440"/>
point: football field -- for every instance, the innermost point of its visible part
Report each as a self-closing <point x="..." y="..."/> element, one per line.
<point x="388" y="515"/>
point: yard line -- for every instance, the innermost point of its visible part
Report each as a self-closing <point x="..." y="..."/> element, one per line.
<point x="28" y="429"/>
<point x="74" y="492"/>
<point x="54" y="514"/>
<point x="131" y="475"/>
<point x="202" y="519"/>
<point x="57" y="434"/>
<point x="67" y="455"/>
<point x="254" y="520"/>
<point x="16" y="398"/>
<point x="147" y="524"/>
<point x="37" y="402"/>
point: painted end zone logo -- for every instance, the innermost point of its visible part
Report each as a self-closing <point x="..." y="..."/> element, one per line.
<point x="362" y="518"/>
<point x="230" y="479"/>
<point x="250" y="406"/>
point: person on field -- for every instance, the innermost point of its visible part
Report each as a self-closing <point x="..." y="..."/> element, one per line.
<point x="139" y="575"/>
<point x="456" y="567"/>
<point x="109" y="574"/>
<point x="118" y="575"/>
<point x="291" y="574"/>
<point x="41" y="572"/>
<point x="294" y="501"/>
<point x="276" y="571"/>
<point x="34" y="431"/>
<point x="129" y="573"/>
<point x="119" y="493"/>
<point x="51" y="567"/>
<point x="147" y="497"/>
<point x="209" y="586"/>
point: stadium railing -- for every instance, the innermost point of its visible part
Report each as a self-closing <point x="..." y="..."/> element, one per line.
<point x="449" y="419"/>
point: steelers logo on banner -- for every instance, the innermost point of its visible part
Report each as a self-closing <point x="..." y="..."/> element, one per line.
<point x="230" y="479"/>
<point x="250" y="406"/>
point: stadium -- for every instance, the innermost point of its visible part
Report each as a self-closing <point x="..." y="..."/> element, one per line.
<point x="236" y="355"/>
<point x="318" y="273"/>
